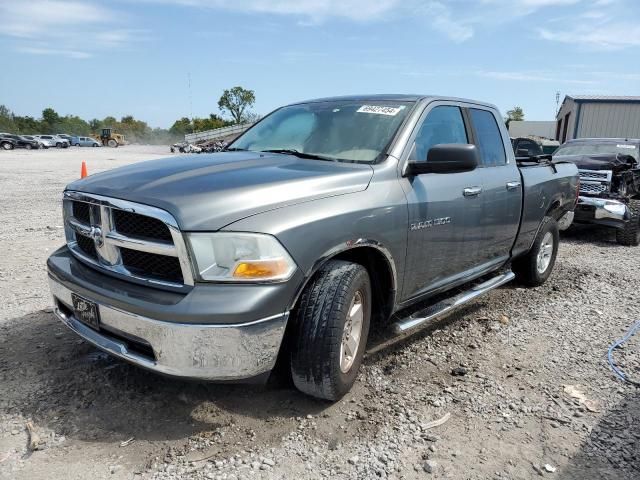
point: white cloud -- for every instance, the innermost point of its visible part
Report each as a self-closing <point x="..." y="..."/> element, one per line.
<point x="528" y="76"/>
<point x="54" y="51"/>
<point x="316" y="10"/>
<point x="69" y="28"/>
<point x="608" y="36"/>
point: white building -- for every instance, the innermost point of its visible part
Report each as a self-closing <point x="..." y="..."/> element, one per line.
<point x="528" y="128"/>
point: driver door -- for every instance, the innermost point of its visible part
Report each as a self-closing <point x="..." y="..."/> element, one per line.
<point x="445" y="209"/>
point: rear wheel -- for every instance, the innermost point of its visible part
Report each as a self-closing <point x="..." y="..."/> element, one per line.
<point x="7" y="146"/>
<point x="58" y="145"/>
<point x="534" y="268"/>
<point x="331" y="325"/>
<point x="630" y="234"/>
<point x="28" y="146"/>
<point x="112" y="143"/>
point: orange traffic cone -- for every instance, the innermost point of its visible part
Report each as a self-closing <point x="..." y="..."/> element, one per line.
<point x="83" y="170"/>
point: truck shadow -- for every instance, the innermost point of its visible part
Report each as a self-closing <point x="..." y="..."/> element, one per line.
<point x="592" y="234"/>
<point x="612" y="450"/>
<point x="51" y="376"/>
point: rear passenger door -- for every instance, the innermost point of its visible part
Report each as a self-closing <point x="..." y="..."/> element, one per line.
<point x="502" y="188"/>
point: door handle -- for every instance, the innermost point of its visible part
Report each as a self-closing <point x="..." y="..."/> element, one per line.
<point x="513" y="185"/>
<point x="472" y="191"/>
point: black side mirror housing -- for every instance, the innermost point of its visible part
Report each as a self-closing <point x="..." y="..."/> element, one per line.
<point x="447" y="158"/>
<point x="522" y="152"/>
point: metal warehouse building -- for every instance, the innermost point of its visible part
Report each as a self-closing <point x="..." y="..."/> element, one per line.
<point x="591" y="116"/>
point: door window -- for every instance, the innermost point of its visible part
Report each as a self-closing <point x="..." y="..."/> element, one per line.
<point x="488" y="138"/>
<point x="444" y="124"/>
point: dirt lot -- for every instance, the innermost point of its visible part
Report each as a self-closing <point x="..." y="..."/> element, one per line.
<point x="533" y="392"/>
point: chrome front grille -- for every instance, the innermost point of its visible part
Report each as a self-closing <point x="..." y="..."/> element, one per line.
<point x="595" y="182"/>
<point x="136" y="241"/>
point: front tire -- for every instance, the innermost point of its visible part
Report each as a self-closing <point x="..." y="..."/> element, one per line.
<point x="112" y="143"/>
<point x="7" y="146"/>
<point x="330" y="330"/>
<point x="534" y="268"/>
<point x="630" y="234"/>
<point x="28" y="146"/>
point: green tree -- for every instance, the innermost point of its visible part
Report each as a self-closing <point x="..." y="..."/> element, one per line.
<point x="181" y="127"/>
<point x="236" y="101"/>
<point x="50" y="120"/>
<point x="6" y="120"/>
<point x="515" y="114"/>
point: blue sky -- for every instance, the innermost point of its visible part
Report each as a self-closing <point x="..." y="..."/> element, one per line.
<point x="124" y="57"/>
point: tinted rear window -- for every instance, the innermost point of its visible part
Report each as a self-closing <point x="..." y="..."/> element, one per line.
<point x="488" y="137"/>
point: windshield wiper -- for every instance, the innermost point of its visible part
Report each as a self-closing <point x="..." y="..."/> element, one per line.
<point x="291" y="151"/>
<point x="234" y="149"/>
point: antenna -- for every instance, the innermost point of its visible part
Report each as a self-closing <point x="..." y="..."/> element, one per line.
<point x="190" y="97"/>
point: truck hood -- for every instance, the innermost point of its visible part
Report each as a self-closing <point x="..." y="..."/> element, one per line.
<point x="602" y="161"/>
<point x="207" y="192"/>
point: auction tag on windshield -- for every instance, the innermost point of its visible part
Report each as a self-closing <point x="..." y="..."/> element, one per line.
<point x="380" y="110"/>
<point x="630" y="147"/>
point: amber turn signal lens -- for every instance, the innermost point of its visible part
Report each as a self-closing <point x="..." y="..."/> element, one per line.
<point x="261" y="269"/>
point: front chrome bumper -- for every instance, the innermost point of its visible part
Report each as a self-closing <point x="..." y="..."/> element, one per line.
<point x="217" y="352"/>
<point x="601" y="210"/>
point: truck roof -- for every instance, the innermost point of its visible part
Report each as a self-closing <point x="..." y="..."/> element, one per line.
<point x="394" y="97"/>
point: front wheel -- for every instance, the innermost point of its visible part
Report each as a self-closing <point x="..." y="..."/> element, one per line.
<point x="534" y="268"/>
<point x="112" y="143"/>
<point x="629" y="235"/>
<point x="330" y="330"/>
<point x="28" y="146"/>
<point x="7" y="146"/>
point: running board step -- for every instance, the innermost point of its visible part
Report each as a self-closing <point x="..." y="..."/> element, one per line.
<point x="448" y="305"/>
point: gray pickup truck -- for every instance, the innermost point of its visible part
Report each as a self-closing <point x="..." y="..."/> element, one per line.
<point x="324" y="218"/>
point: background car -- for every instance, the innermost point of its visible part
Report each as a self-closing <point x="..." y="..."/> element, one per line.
<point x="84" y="142"/>
<point x="23" y="142"/>
<point x="42" y="143"/>
<point x="7" y="143"/>
<point x="55" y="140"/>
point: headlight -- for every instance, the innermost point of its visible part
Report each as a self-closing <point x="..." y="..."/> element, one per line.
<point x="240" y="257"/>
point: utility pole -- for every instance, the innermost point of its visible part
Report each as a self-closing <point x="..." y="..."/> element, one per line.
<point x="557" y="103"/>
<point x="190" y="97"/>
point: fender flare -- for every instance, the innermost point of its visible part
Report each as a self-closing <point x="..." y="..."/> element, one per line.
<point x="346" y="247"/>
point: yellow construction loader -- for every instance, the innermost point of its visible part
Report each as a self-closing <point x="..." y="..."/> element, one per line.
<point x="109" y="139"/>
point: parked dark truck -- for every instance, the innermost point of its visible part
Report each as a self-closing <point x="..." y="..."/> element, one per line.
<point x="609" y="183"/>
<point x="324" y="217"/>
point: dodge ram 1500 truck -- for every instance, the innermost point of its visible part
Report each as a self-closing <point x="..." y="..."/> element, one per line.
<point x="324" y="217"/>
<point x="609" y="171"/>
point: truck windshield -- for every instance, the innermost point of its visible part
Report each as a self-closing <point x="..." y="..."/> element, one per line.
<point x="597" y="149"/>
<point x="348" y="131"/>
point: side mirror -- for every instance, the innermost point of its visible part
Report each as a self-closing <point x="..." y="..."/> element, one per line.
<point x="447" y="158"/>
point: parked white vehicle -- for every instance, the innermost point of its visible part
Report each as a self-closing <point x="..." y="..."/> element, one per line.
<point x="54" y="140"/>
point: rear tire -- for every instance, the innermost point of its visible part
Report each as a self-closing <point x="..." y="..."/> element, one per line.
<point x="28" y="146"/>
<point x="7" y="146"/>
<point x="330" y="330"/>
<point x="630" y="234"/>
<point x="534" y="268"/>
<point x="112" y="143"/>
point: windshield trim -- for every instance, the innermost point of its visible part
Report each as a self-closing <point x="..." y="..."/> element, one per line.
<point x="384" y="152"/>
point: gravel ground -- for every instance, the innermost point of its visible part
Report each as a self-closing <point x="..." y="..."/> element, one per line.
<point x="520" y="377"/>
